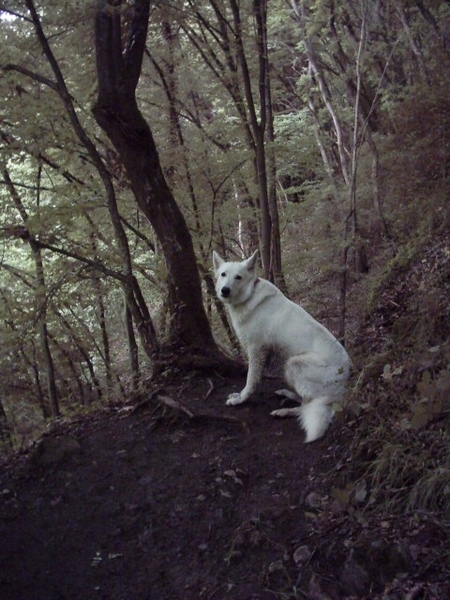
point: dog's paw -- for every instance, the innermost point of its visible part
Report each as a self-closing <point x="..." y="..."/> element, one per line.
<point x="234" y="399"/>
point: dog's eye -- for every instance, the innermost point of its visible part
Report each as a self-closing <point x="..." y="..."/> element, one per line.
<point x="238" y="277"/>
<point x="223" y="274"/>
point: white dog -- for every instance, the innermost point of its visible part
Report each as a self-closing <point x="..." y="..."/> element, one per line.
<point x="315" y="364"/>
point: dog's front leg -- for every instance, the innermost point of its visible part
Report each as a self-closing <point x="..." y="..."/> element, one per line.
<point x="256" y="360"/>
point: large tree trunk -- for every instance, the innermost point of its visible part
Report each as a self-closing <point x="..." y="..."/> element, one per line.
<point x="120" y="42"/>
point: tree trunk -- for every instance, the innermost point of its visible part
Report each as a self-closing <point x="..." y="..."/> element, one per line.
<point x="43" y="334"/>
<point x="133" y="350"/>
<point x="266" y="122"/>
<point x="41" y="299"/>
<point x="119" y="60"/>
<point x="101" y="315"/>
<point x="269" y="222"/>
<point x="77" y="342"/>
<point x="6" y="441"/>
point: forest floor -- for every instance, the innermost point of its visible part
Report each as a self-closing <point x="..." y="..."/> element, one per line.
<point x="181" y="497"/>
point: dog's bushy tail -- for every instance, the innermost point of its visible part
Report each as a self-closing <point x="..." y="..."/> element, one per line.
<point x="315" y="417"/>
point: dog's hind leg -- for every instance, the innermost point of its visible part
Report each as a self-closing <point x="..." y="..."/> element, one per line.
<point x="287" y="412"/>
<point x="315" y="382"/>
<point x="287" y="394"/>
<point x="314" y="417"/>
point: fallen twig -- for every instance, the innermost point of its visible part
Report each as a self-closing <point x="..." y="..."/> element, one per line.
<point x="168" y="401"/>
<point x="157" y="399"/>
<point x="211" y="388"/>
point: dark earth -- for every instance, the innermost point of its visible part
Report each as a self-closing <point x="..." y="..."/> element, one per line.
<point x="176" y="496"/>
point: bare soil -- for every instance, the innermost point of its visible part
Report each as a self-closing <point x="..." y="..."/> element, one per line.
<point x="181" y="497"/>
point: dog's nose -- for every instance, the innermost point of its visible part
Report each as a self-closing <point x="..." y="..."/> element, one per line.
<point x="225" y="291"/>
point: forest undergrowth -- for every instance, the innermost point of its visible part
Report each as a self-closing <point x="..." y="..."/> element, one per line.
<point x="402" y="437"/>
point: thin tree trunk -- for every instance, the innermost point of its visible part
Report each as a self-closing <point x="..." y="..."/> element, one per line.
<point x="376" y="193"/>
<point x="266" y="118"/>
<point x="40" y="297"/>
<point x="83" y="352"/>
<point x="133" y="350"/>
<point x="75" y="373"/>
<point x="43" y="334"/>
<point x="128" y="282"/>
<point x="6" y="440"/>
<point x="269" y="222"/>
<point x="414" y="47"/>
<point x="101" y="314"/>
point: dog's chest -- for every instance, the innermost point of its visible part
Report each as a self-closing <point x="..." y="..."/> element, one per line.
<point x="256" y="336"/>
<point x="253" y="320"/>
<point x="248" y="325"/>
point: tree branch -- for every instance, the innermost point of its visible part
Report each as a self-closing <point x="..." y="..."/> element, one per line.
<point x="32" y="75"/>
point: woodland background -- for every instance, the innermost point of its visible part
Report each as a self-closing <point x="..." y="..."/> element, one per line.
<point x="138" y="136"/>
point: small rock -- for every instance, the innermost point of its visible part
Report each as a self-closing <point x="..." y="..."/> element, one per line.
<point x="301" y="555"/>
<point x="276" y="566"/>
<point x="313" y="500"/>
<point x="232" y="474"/>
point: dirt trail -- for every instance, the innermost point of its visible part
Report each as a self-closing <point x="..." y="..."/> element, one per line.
<point x="154" y="503"/>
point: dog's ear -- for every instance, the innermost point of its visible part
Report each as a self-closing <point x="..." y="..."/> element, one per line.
<point x="217" y="260"/>
<point x="251" y="262"/>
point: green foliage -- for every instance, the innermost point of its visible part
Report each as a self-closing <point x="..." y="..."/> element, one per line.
<point x="191" y="91"/>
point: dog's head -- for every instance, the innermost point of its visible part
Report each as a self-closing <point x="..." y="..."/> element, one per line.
<point x="235" y="280"/>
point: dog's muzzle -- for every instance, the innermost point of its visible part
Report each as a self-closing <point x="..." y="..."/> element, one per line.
<point x="225" y="291"/>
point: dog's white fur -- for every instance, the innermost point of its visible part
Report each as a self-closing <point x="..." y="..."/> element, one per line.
<point x="315" y="364"/>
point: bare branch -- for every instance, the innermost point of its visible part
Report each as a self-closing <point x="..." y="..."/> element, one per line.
<point x="33" y="75"/>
